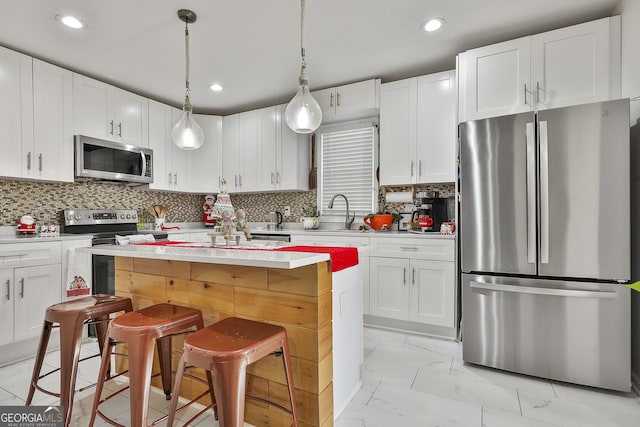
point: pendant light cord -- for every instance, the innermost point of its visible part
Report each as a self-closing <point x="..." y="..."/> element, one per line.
<point x="186" y="48"/>
<point x="304" y="63"/>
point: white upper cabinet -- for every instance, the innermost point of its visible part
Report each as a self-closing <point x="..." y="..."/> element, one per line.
<point x="292" y="156"/>
<point x="352" y="101"/>
<point x="437" y="130"/>
<point x="260" y="153"/>
<point x="51" y="155"/>
<point x="16" y="111"/>
<point x="170" y="169"/>
<point x="573" y="65"/>
<point x="205" y="163"/>
<point x="107" y="112"/>
<point x="417" y="130"/>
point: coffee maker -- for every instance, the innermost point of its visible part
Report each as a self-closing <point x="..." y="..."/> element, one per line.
<point x="430" y="213"/>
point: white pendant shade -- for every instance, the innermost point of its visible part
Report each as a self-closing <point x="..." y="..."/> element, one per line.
<point x="303" y="113"/>
<point x="187" y="133"/>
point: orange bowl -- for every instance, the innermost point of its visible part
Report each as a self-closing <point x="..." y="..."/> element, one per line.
<point x="379" y="221"/>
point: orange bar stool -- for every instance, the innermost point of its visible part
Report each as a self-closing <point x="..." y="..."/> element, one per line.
<point x="226" y="348"/>
<point x="70" y="317"/>
<point x="139" y="330"/>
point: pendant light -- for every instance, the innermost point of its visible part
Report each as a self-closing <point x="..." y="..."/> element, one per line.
<point x="187" y="133"/>
<point x="303" y="113"/>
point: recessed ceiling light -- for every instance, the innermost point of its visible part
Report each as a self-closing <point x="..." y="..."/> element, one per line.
<point x="433" y="24"/>
<point x="215" y="87"/>
<point x="71" y="21"/>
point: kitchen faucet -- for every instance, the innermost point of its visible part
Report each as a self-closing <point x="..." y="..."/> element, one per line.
<point x="347" y="221"/>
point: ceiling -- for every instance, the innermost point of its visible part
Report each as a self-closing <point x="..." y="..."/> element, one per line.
<point x="252" y="47"/>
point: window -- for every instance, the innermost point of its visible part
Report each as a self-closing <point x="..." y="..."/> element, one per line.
<point x="347" y="163"/>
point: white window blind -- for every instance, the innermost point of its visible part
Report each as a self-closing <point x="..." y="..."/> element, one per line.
<point x="347" y="166"/>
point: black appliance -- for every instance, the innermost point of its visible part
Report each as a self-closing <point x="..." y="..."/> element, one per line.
<point x="428" y="204"/>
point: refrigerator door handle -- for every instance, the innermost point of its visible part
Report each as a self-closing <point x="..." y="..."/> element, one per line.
<point x="543" y="291"/>
<point x="544" y="193"/>
<point x="531" y="194"/>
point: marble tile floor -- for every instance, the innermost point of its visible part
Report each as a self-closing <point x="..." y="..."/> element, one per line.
<point x="408" y="381"/>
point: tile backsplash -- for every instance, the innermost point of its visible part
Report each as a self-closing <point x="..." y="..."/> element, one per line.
<point x="45" y="201"/>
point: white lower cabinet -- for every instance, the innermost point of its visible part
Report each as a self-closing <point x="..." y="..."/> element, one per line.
<point x="26" y="294"/>
<point x="406" y="285"/>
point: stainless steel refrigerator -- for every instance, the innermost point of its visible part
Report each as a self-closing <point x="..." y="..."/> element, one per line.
<point x="545" y="243"/>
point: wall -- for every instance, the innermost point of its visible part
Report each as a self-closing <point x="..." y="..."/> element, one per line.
<point x="45" y="201"/>
<point x="630" y="13"/>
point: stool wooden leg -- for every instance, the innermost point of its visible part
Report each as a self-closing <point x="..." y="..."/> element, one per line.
<point x="37" y="367"/>
<point x="176" y="393"/>
<point x="140" y="365"/>
<point x="289" y="374"/>
<point x="70" y="342"/>
<point x="164" y="357"/>
<point x="230" y="384"/>
<point x="102" y="375"/>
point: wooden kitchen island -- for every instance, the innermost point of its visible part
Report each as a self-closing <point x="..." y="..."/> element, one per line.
<point x="290" y="289"/>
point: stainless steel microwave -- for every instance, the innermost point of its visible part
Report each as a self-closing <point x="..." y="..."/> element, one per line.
<point x="97" y="159"/>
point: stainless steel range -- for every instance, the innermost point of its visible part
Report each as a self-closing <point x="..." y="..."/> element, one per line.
<point x="104" y="225"/>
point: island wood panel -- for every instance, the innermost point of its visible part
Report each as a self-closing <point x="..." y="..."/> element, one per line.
<point x="297" y="299"/>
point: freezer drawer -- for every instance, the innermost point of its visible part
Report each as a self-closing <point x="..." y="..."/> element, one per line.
<point x="576" y="332"/>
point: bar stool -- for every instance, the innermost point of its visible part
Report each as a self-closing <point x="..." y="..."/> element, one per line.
<point x="139" y="330"/>
<point x="70" y="317"/>
<point x="227" y="348"/>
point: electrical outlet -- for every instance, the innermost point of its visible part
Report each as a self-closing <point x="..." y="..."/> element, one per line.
<point x="287" y="211"/>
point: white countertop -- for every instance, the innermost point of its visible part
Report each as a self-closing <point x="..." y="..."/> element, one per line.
<point x="296" y="229"/>
<point x="217" y="255"/>
<point x="13" y="238"/>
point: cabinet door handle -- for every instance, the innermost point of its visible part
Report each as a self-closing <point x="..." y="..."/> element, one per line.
<point x="337" y="99"/>
<point x="525" y="94"/>
<point x="331" y="100"/>
<point x="22" y="288"/>
<point x="170" y="181"/>
<point x="29" y="160"/>
<point x="419" y="167"/>
<point x="175" y="178"/>
<point x="277" y="177"/>
<point x="235" y="180"/>
<point x="538" y="92"/>
<point x="404" y="276"/>
<point x="240" y="180"/>
<point x="111" y="127"/>
<point x="411" y="167"/>
<point x="120" y="129"/>
<point x="413" y="277"/>
<point x="40" y="162"/>
<point x="8" y="290"/>
<point x="273" y="177"/>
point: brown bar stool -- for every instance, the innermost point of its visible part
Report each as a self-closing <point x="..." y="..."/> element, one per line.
<point x="70" y="317"/>
<point x="140" y="329"/>
<point x="227" y="348"/>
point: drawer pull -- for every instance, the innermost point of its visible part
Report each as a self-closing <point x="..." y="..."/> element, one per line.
<point x="8" y="290"/>
<point x="413" y="277"/>
<point x="404" y="280"/>
<point x="22" y="288"/>
<point x="409" y="248"/>
<point x="11" y="255"/>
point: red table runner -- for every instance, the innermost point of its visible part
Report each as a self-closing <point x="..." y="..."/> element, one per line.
<point x="341" y="257"/>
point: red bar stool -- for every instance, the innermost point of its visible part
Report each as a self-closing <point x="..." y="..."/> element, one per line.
<point x="139" y="330"/>
<point x="70" y="317"/>
<point x="226" y="348"/>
